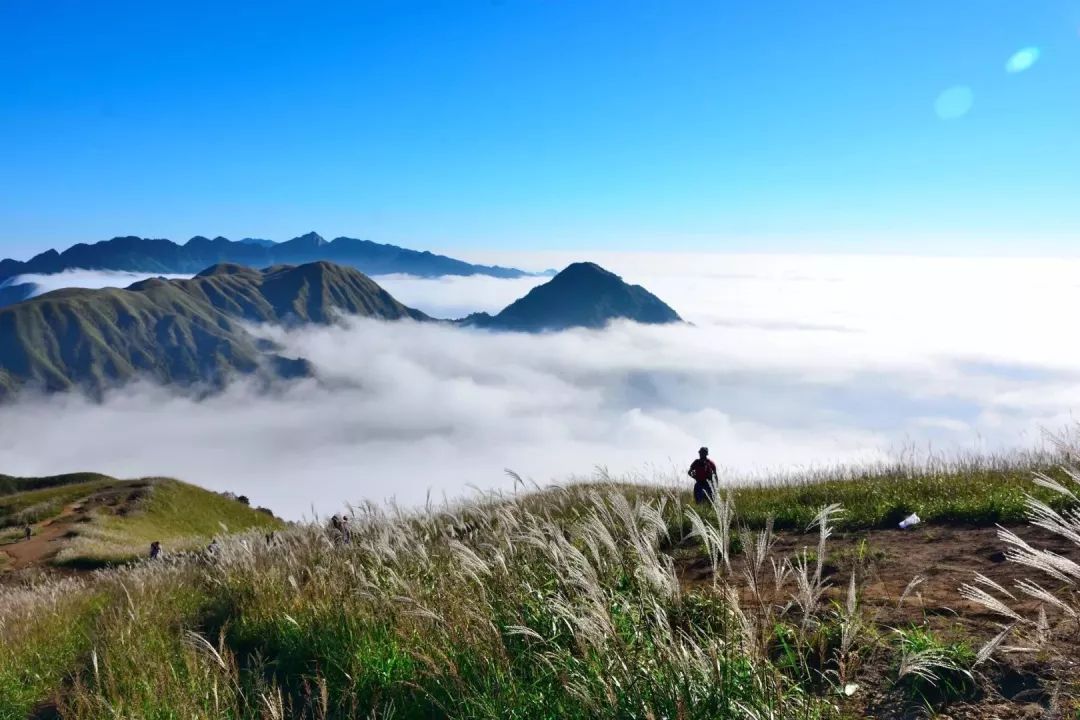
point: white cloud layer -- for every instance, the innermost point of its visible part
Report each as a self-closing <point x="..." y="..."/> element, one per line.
<point x="44" y="283"/>
<point x="791" y="362"/>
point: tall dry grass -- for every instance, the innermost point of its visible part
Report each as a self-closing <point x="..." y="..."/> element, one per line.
<point x="563" y="602"/>
<point x="1050" y="632"/>
<point x="560" y="605"/>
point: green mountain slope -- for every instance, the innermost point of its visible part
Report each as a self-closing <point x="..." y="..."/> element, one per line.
<point x="583" y="295"/>
<point x="316" y="292"/>
<point x="177" y="331"/>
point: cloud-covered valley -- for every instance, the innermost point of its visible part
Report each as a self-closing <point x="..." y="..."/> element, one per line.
<point x="40" y="284"/>
<point x="789" y="362"/>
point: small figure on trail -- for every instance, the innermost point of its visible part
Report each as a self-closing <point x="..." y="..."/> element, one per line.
<point x="703" y="470"/>
<point x="270" y="538"/>
<point x="339" y="526"/>
<point x="28" y="531"/>
<point x="212" y="548"/>
<point x="155" y="550"/>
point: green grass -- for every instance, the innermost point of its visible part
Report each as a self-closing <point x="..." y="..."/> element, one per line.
<point x="181" y="516"/>
<point x="50" y="633"/>
<point x="562" y="603"/>
<point x="10" y="485"/>
<point x="45" y="634"/>
<point x="20" y="508"/>
<point x="934" y="671"/>
<point x="475" y="613"/>
<point x="975" y="492"/>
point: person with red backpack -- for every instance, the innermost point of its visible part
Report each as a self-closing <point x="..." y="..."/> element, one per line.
<point x="703" y="470"/>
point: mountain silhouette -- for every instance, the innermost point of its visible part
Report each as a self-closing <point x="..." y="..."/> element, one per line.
<point x="583" y="295"/>
<point x="187" y="332"/>
<point x="195" y="331"/>
<point x="136" y="254"/>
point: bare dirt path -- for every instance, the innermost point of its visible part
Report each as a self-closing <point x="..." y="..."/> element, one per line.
<point x="945" y="557"/>
<point x="45" y="542"/>
<point x="49" y="535"/>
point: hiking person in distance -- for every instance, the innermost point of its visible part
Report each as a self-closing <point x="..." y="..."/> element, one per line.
<point x="346" y="533"/>
<point x="28" y="531"/>
<point x="155" y="550"/>
<point x="703" y="470"/>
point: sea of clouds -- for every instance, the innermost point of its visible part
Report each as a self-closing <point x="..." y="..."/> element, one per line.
<point x="790" y="362"/>
<point x="43" y="283"/>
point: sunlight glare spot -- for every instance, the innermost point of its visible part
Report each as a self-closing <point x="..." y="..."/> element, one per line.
<point x="1022" y="60"/>
<point x="954" y="102"/>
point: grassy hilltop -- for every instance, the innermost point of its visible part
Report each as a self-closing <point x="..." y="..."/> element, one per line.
<point x="87" y="520"/>
<point x="599" y="599"/>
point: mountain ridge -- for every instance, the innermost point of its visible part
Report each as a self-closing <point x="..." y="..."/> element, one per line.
<point x="193" y="331"/>
<point x="186" y="332"/>
<point x="156" y="255"/>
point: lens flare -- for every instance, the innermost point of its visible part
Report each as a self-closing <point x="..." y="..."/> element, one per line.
<point x="1021" y="60"/>
<point x="954" y="103"/>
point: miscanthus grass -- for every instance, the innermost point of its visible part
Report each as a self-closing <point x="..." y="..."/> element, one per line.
<point x="559" y="603"/>
<point x="564" y="605"/>
<point x="1054" y="582"/>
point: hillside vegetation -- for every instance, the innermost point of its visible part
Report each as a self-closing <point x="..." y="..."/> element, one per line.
<point x="28" y="500"/>
<point x="975" y="490"/>
<point x="89" y="520"/>
<point x="177" y="331"/>
<point x="180" y="516"/>
<point x="9" y="485"/>
<point x="572" y="602"/>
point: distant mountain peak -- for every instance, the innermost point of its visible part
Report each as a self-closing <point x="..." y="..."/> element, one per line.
<point x="584" y="266"/>
<point x="227" y="269"/>
<point x="582" y="295"/>
<point x="313" y="239"/>
<point x="585" y="272"/>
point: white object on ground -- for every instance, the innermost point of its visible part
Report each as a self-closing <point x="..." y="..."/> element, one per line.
<point x="910" y="521"/>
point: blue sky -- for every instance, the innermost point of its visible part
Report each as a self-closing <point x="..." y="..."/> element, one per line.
<point x="726" y="126"/>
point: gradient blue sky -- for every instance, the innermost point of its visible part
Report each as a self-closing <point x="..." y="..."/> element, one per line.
<point x="728" y="126"/>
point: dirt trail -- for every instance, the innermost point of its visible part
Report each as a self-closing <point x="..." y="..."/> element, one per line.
<point x="946" y="557"/>
<point x="44" y="543"/>
<point x="49" y="535"/>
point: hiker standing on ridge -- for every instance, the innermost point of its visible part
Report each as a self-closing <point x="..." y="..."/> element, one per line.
<point x="28" y="531"/>
<point x="703" y="470"/>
